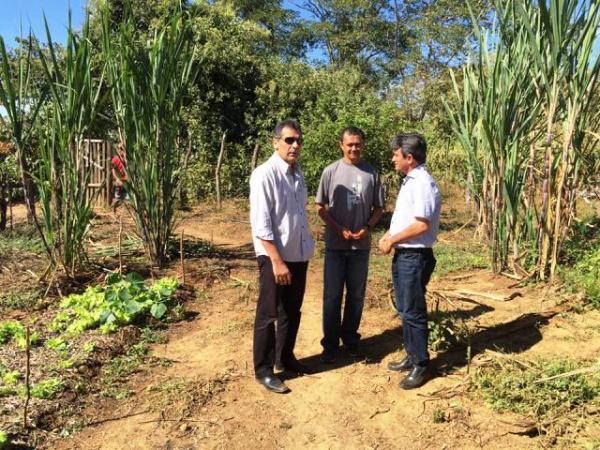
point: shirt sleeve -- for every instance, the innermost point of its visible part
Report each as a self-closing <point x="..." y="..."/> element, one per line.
<point x="424" y="200"/>
<point x="260" y="207"/>
<point x="322" y="197"/>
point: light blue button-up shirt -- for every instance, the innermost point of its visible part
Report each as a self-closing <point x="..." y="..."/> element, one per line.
<point x="278" y="200"/>
<point x="419" y="197"/>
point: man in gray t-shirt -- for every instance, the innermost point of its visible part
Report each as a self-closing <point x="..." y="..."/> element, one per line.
<point x="350" y="201"/>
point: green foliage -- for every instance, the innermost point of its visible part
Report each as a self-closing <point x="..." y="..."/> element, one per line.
<point x="120" y="301"/>
<point x="509" y="386"/>
<point x="47" y="389"/>
<point x="4" y="441"/>
<point x="445" y="331"/>
<point x="581" y="270"/>
<point x="14" y="330"/>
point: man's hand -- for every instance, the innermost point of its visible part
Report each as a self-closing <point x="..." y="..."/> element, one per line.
<point x="347" y="234"/>
<point x="385" y="245"/>
<point x="360" y="234"/>
<point x="281" y="272"/>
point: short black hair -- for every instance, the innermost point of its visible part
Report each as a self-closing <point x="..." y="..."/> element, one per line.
<point x="287" y="123"/>
<point x="352" y="131"/>
<point x="411" y="144"/>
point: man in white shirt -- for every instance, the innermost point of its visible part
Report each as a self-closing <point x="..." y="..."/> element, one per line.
<point x="413" y="230"/>
<point x="283" y="246"/>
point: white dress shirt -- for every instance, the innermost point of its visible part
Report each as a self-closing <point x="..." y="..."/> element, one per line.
<point x="419" y="197"/>
<point x="278" y="200"/>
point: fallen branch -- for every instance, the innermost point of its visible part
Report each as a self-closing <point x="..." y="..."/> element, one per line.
<point x="380" y="411"/>
<point x="569" y="374"/>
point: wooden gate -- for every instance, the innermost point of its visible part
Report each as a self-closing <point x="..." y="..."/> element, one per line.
<point x="98" y="155"/>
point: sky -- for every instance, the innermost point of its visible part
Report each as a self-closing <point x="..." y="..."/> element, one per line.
<point x="26" y="14"/>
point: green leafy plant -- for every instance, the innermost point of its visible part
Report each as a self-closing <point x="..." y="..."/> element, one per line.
<point x="14" y="330"/>
<point x="47" y="389"/>
<point x="120" y="301"/>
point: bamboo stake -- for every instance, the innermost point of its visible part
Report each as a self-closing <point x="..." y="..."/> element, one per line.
<point x="255" y="156"/>
<point x="218" y="170"/>
<point x="27" y="374"/>
<point x="182" y="256"/>
<point x="120" y="245"/>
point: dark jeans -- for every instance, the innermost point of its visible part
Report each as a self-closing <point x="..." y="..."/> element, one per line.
<point x="343" y="268"/>
<point x="281" y="304"/>
<point x="411" y="271"/>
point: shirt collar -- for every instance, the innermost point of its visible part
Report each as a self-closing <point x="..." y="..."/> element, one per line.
<point x="414" y="173"/>
<point x="282" y="166"/>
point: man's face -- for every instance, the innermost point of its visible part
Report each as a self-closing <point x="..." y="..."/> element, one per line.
<point x="288" y="145"/>
<point x="402" y="164"/>
<point x="352" y="146"/>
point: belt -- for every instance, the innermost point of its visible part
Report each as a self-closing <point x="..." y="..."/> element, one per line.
<point x="420" y="250"/>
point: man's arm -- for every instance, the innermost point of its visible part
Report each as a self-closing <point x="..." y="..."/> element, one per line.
<point x="414" y="230"/>
<point x="337" y="228"/>
<point x="280" y="269"/>
<point x="116" y="177"/>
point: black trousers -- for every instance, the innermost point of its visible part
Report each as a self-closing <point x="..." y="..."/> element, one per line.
<point x="277" y="304"/>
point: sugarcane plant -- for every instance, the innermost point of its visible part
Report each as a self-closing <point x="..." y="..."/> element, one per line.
<point x="64" y="174"/>
<point x="22" y="101"/>
<point x="148" y="83"/>
<point x="526" y="124"/>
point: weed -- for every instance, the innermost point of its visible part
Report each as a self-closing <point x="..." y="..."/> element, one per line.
<point x="21" y="299"/>
<point x="445" y="331"/>
<point x="581" y="259"/>
<point x="24" y="238"/>
<point x="438" y="416"/>
<point x="57" y="344"/>
<point x="455" y="257"/>
<point x="547" y="391"/>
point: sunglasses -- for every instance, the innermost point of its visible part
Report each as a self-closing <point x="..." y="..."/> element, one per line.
<point x="290" y="140"/>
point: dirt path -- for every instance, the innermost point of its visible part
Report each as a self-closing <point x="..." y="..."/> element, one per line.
<point x="206" y="396"/>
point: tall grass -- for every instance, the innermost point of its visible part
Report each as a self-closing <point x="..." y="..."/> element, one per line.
<point x="22" y="101"/>
<point x="526" y="125"/>
<point x="63" y="174"/>
<point x="148" y="83"/>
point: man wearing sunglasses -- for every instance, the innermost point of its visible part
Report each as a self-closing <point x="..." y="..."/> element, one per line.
<point x="283" y="246"/>
<point x="350" y="201"/>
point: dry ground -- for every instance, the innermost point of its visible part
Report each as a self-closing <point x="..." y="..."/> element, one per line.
<point x="205" y="395"/>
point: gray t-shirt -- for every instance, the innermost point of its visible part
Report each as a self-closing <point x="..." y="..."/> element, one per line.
<point x="350" y="192"/>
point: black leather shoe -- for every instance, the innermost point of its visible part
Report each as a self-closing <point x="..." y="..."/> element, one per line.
<point x="273" y="384"/>
<point x="416" y="378"/>
<point x="327" y="357"/>
<point x="405" y="364"/>
<point x="294" y="366"/>
<point x="355" y="351"/>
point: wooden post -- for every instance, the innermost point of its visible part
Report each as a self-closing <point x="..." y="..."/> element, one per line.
<point x="120" y="245"/>
<point x="218" y="170"/>
<point x="182" y="256"/>
<point x="27" y="374"/>
<point x="255" y="156"/>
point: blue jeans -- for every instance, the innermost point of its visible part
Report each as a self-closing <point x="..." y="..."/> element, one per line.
<point x="343" y="268"/>
<point x="411" y="271"/>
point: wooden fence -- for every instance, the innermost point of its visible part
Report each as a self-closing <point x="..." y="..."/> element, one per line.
<point x="97" y="156"/>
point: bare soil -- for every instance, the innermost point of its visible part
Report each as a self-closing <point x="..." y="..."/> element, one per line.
<point x="205" y="394"/>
